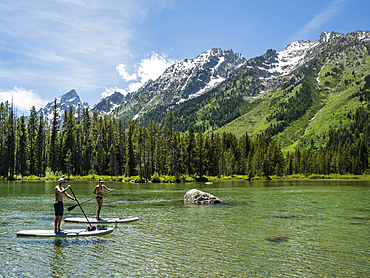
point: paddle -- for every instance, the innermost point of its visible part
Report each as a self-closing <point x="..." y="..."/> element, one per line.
<point x="72" y="207"/>
<point x="90" y="227"/>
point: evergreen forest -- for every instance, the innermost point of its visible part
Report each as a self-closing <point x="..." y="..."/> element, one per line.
<point x="81" y="143"/>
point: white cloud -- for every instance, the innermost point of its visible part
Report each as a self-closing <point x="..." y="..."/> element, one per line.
<point x="22" y="99"/>
<point x="132" y="87"/>
<point x="334" y="8"/>
<point x="149" y="68"/>
<point x="63" y="44"/>
<point x="111" y="91"/>
<point x="121" y="68"/>
<point x="153" y="67"/>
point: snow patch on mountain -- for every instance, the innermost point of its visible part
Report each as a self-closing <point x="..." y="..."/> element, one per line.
<point x="214" y="82"/>
<point x="291" y="56"/>
<point x="318" y="75"/>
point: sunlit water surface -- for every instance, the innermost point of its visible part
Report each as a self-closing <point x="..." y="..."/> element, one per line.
<point x="264" y="229"/>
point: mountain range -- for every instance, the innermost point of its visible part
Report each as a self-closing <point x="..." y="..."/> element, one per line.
<point x="296" y="94"/>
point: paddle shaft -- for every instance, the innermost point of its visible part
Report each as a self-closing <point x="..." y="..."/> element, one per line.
<point x="72" y="207"/>
<point x="80" y="207"/>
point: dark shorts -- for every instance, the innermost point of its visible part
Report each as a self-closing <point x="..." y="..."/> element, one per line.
<point x="58" y="208"/>
<point x="99" y="197"/>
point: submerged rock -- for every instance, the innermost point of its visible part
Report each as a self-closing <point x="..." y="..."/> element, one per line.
<point x="277" y="238"/>
<point x="285" y="216"/>
<point x="361" y="217"/>
<point x="195" y="196"/>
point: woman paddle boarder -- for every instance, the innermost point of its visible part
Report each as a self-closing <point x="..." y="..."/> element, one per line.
<point x="59" y="191"/>
<point x="98" y="191"/>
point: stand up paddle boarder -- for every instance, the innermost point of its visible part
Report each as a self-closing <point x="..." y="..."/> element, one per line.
<point x="98" y="191"/>
<point x="59" y="191"/>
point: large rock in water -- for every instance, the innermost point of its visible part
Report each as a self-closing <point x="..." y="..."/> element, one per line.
<point x="195" y="196"/>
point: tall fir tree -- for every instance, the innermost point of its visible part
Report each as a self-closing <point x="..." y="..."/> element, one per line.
<point x="32" y="134"/>
<point x="21" y="151"/>
<point x="54" y="144"/>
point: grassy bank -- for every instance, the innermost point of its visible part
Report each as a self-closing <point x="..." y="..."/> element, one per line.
<point x="183" y="178"/>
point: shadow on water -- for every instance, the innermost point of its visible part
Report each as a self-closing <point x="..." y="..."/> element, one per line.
<point x="67" y="242"/>
<point x="362" y="210"/>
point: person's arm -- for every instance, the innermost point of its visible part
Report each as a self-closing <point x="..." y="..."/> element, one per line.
<point x="64" y="190"/>
<point x="69" y="196"/>
<point x="66" y="194"/>
<point x="95" y="191"/>
<point x="108" y="188"/>
<point x="61" y="191"/>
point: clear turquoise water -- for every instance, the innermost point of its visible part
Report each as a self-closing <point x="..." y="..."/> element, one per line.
<point x="325" y="225"/>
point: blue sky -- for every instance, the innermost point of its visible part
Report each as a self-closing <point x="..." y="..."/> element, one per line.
<point x="48" y="47"/>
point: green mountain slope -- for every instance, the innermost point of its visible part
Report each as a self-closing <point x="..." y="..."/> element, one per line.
<point x="332" y="102"/>
<point x="297" y="104"/>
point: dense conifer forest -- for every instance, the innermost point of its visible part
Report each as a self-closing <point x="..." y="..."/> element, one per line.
<point x="83" y="143"/>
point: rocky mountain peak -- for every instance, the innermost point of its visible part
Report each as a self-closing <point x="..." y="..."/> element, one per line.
<point x="186" y="79"/>
<point x="69" y="99"/>
<point x="193" y="75"/>
<point x="108" y="104"/>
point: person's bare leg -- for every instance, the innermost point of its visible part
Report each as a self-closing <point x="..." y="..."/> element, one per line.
<point x="60" y="221"/>
<point x="57" y="221"/>
<point x="56" y="224"/>
<point x="100" y="203"/>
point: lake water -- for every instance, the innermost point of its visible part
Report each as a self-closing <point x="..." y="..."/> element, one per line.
<point x="264" y="229"/>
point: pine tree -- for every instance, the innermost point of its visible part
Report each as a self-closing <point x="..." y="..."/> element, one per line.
<point x="153" y="148"/>
<point x="139" y="135"/>
<point x="189" y="149"/>
<point x="94" y="139"/>
<point x="87" y="143"/>
<point x="10" y="144"/>
<point x="167" y="131"/>
<point x="363" y="156"/>
<point x="21" y="151"/>
<point x="130" y="168"/>
<point x="245" y="147"/>
<point x="32" y="133"/>
<point x="199" y="154"/>
<point x="79" y="134"/>
<point x="54" y="144"/>
<point x="113" y="166"/>
<point x="68" y="147"/>
<point x="121" y="160"/>
<point x="40" y="148"/>
<point x="3" y="116"/>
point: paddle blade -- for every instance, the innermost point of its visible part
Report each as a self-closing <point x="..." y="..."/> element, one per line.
<point x="71" y="208"/>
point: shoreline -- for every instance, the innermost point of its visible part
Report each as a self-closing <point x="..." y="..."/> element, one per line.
<point x="187" y="179"/>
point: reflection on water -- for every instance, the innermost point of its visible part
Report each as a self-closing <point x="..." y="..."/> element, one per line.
<point x="64" y="242"/>
<point x="267" y="228"/>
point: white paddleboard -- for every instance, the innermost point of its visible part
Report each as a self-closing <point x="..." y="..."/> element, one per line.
<point x="103" y="221"/>
<point x="65" y="233"/>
